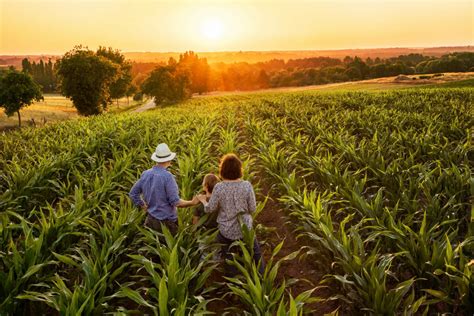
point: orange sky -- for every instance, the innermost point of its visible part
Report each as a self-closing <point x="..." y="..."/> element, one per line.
<point x="55" y="26"/>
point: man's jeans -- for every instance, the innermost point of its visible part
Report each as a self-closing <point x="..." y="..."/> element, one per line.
<point x="155" y="224"/>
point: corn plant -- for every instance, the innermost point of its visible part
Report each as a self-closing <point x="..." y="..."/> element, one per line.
<point x="261" y="293"/>
<point x="22" y="264"/>
<point x="174" y="271"/>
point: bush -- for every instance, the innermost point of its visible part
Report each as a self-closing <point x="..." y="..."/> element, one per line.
<point x="138" y="96"/>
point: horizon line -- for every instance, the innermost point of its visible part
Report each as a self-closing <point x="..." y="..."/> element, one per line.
<point x="252" y="51"/>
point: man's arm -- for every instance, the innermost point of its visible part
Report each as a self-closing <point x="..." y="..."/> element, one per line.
<point x="185" y="203"/>
<point x="135" y="194"/>
<point x="172" y="193"/>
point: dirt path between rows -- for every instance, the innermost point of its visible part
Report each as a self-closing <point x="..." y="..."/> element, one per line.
<point x="149" y="105"/>
<point x="302" y="268"/>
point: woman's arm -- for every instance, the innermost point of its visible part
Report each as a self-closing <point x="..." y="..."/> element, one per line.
<point x="213" y="203"/>
<point x="251" y="201"/>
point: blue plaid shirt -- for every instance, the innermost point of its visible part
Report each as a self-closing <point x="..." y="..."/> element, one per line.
<point x="160" y="193"/>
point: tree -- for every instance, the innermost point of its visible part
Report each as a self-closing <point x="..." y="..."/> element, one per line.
<point x="348" y="60"/>
<point x="132" y="90"/>
<point x="353" y="73"/>
<point x="263" y="79"/>
<point x="197" y="70"/>
<point x="18" y="90"/>
<point x="42" y="73"/>
<point x="26" y="65"/>
<point x="357" y="69"/>
<point x="119" y="87"/>
<point x="167" y="84"/>
<point x="86" y="77"/>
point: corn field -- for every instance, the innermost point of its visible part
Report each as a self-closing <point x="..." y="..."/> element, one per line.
<point x="377" y="186"/>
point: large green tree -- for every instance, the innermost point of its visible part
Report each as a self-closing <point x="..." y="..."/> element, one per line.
<point x="86" y="78"/>
<point x="119" y="87"/>
<point x="167" y="84"/>
<point x="18" y="90"/>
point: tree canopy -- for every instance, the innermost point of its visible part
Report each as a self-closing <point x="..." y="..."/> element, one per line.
<point x="43" y="73"/>
<point x="18" y="90"/>
<point x="86" y="77"/>
<point x="167" y="84"/>
<point x="121" y="86"/>
<point x="197" y="69"/>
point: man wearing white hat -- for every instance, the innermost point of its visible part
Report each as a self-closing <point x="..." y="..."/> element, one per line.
<point x="157" y="192"/>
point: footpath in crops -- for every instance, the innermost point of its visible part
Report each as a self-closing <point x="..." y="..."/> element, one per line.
<point x="277" y="227"/>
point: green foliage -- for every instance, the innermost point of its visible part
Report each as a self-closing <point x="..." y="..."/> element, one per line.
<point x="167" y="84"/>
<point x="18" y="90"/>
<point x="138" y="96"/>
<point x="262" y="294"/>
<point x="174" y="273"/>
<point x="44" y="73"/>
<point x="86" y="78"/>
<point x="22" y="262"/>
<point x="381" y="188"/>
<point x="121" y="86"/>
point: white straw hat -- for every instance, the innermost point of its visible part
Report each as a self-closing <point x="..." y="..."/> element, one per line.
<point x="163" y="153"/>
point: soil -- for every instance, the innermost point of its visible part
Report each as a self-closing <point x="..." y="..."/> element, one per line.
<point x="302" y="267"/>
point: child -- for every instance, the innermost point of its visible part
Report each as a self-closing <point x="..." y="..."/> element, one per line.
<point x="210" y="180"/>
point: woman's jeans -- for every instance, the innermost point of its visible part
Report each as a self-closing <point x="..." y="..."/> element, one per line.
<point x="227" y="251"/>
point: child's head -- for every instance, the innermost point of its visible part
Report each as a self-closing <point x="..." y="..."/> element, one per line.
<point x="210" y="180"/>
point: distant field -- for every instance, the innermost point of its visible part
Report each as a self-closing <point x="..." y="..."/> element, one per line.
<point x="468" y="83"/>
<point x="55" y="107"/>
<point x="448" y="80"/>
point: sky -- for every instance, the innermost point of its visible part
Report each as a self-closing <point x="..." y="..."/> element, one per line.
<point x="56" y="26"/>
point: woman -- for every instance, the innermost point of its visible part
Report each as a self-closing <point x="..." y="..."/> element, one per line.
<point x="232" y="198"/>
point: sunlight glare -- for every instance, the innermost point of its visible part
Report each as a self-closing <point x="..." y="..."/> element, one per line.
<point x="212" y="29"/>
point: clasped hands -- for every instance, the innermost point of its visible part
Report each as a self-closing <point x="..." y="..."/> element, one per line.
<point x="199" y="198"/>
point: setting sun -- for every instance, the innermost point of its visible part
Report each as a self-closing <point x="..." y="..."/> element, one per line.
<point x="212" y="29"/>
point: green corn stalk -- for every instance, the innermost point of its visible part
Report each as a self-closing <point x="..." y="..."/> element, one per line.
<point x="261" y="294"/>
<point x="22" y="264"/>
<point x="176" y="275"/>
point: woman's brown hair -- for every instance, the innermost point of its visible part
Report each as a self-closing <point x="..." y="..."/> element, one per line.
<point x="230" y="167"/>
<point x="210" y="180"/>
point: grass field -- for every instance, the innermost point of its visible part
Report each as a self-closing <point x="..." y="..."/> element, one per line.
<point x="367" y="195"/>
<point x="55" y="108"/>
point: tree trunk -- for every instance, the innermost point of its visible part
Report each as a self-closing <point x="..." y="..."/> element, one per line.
<point x="128" y="100"/>
<point x="19" y="118"/>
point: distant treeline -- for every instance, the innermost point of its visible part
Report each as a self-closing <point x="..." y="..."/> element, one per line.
<point x="276" y="72"/>
<point x="322" y="70"/>
<point x="319" y="70"/>
<point x="43" y="73"/>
